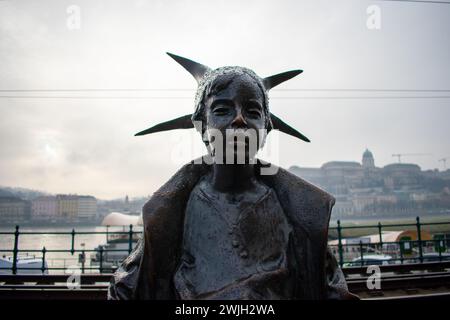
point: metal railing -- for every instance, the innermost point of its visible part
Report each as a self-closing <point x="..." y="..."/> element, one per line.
<point x="129" y="235"/>
<point x="397" y="248"/>
<point x="342" y="250"/>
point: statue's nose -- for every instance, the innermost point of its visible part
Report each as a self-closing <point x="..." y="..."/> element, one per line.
<point x="239" y="121"/>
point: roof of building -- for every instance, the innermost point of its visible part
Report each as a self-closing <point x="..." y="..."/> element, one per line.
<point x="402" y="167"/>
<point x="86" y="197"/>
<point x="11" y="199"/>
<point x="45" y="198"/>
<point x="341" y="164"/>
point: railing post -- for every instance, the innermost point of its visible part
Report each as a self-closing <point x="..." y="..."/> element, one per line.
<point x="83" y="260"/>
<point x="401" y="253"/>
<point x="72" y="250"/>
<point x="43" y="260"/>
<point x="16" y="250"/>
<point x="130" y="239"/>
<point x="361" y="252"/>
<point x="101" y="260"/>
<point x="419" y="238"/>
<point x="444" y="244"/>
<point x="341" y="255"/>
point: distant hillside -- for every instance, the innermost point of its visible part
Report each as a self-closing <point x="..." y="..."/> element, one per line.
<point x="22" y="193"/>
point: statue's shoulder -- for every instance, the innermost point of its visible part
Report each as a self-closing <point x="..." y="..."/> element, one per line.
<point x="302" y="201"/>
<point x="285" y="180"/>
<point x="175" y="192"/>
<point x="306" y="188"/>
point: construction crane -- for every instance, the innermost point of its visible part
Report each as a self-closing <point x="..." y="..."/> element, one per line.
<point x="444" y="160"/>
<point x="400" y="155"/>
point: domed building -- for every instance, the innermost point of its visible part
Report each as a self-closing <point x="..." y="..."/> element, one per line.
<point x="367" y="160"/>
<point x="372" y="174"/>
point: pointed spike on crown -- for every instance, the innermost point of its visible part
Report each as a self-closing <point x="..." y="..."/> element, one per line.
<point x="183" y="122"/>
<point x="280" y="125"/>
<point x="196" y="69"/>
<point x="276" y="79"/>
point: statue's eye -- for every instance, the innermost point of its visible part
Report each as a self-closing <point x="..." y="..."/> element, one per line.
<point x="254" y="109"/>
<point x="254" y="113"/>
<point x="221" y="110"/>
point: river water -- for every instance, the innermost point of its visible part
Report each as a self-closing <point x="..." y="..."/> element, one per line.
<point x="51" y="241"/>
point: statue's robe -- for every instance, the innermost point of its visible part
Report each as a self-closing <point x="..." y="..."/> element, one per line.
<point x="148" y="272"/>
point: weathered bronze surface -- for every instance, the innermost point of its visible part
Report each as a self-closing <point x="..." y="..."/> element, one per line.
<point x="217" y="230"/>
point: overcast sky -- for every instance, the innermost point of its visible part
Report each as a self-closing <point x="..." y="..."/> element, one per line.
<point x="82" y="141"/>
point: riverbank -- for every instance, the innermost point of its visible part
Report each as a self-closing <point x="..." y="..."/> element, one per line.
<point x="52" y="224"/>
<point x="442" y="225"/>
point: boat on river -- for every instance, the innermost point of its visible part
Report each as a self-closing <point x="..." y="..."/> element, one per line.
<point x="27" y="264"/>
<point x="118" y="243"/>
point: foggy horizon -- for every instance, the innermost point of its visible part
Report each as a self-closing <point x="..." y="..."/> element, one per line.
<point x="71" y="99"/>
<point x="135" y="196"/>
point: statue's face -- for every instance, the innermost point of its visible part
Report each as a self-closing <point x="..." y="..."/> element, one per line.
<point x="236" y="109"/>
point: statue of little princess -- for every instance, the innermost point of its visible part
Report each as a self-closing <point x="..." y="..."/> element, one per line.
<point x="227" y="225"/>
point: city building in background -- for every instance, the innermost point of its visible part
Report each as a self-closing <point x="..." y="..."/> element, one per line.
<point x="44" y="207"/>
<point x="14" y="210"/>
<point x="67" y="206"/>
<point x="59" y="208"/>
<point x="87" y="207"/>
<point x="363" y="189"/>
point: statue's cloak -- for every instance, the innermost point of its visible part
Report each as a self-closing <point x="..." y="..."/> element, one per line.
<point x="148" y="272"/>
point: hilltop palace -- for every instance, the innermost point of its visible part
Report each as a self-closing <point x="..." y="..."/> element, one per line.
<point x="362" y="189"/>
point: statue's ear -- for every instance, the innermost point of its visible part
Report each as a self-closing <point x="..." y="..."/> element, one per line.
<point x="276" y="79"/>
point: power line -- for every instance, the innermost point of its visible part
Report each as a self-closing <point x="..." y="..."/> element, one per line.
<point x="419" y="1"/>
<point x="94" y="90"/>
<point x="366" y="97"/>
<point x="176" y="98"/>
<point x="90" y="97"/>
<point x="190" y="90"/>
<point x="367" y="90"/>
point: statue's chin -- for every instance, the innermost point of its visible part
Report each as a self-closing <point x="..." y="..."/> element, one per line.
<point x="236" y="158"/>
<point x="237" y="152"/>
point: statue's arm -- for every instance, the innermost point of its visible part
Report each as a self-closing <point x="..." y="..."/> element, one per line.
<point x="337" y="288"/>
<point x="125" y="280"/>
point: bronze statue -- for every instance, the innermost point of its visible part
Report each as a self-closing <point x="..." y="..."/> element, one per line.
<point x="221" y="229"/>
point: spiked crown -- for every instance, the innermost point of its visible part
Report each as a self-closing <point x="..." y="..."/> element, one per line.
<point x="205" y="75"/>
